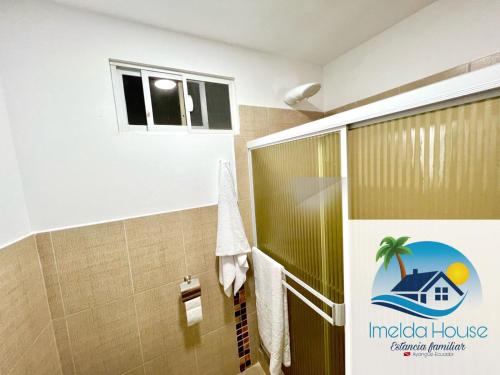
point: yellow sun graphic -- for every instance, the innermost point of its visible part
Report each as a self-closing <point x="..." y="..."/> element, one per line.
<point x="458" y="273"/>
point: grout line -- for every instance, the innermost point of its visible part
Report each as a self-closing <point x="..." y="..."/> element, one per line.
<point x="184" y="244"/>
<point x="195" y="350"/>
<point x="70" y="345"/>
<point x="43" y="276"/>
<point x="133" y="369"/>
<point x="47" y="299"/>
<point x="30" y="346"/>
<point x="47" y="296"/>
<point x="133" y="294"/>
<point x="63" y="305"/>
<point x="57" y="273"/>
<point x="94" y="307"/>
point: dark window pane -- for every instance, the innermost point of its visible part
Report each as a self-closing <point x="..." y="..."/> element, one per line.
<point x="166" y="103"/>
<point x="194" y="92"/>
<point x="445" y="289"/>
<point x="219" y="110"/>
<point x="134" y="100"/>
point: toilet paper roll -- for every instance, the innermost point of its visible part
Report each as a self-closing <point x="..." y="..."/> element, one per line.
<point x="194" y="313"/>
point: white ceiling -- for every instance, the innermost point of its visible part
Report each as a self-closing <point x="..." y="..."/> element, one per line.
<point x="312" y="30"/>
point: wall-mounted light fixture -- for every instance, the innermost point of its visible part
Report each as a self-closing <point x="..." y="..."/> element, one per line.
<point x="301" y="92"/>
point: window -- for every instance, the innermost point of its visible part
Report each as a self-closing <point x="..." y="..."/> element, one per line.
<point x="441" y="294"/>
<point x="150" y="99"/>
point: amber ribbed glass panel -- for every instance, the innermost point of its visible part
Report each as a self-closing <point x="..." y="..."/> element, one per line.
<point x="297" y="193"/>
<point x="443" y="164"/>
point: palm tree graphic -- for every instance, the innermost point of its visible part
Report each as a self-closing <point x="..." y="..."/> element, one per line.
<point x="389" y="247"/>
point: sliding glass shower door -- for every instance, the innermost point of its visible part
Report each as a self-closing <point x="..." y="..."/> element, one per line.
<point x="298" y="215"/>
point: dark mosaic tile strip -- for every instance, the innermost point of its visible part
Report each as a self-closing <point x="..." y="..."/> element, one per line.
<point x="242" y="339"/>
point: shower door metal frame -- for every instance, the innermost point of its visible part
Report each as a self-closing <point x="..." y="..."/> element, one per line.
<point x="454" y="88"/>
<point x="339" y="311"/>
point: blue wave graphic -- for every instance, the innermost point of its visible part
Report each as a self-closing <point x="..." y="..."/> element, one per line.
<point x="399" y="308"/>
<point x="409" y="307"/>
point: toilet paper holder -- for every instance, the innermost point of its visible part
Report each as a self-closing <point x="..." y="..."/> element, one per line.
<point x="190" y="288"/>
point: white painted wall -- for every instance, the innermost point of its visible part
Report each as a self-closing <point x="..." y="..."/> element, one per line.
<point x="75" y="166"/>
<point x="445" y="34"/>
<point x="14" y="221"/>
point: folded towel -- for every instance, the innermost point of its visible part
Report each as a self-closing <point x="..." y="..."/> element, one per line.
<point x="232" y="270"/>
<point x="272" y="310"/>
<point x="232" y="243"/>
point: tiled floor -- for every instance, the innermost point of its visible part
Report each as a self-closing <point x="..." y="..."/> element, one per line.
<point x="254" y="370"/>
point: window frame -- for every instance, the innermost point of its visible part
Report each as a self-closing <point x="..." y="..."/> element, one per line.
<point x="118" y="69"/>
<point x="203" y="101"/>
<point x="146" y="74"/>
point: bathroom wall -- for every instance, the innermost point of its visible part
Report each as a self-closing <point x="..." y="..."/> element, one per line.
<point x="443" y="35"/>
<point x="113" y="288"/>
<point x="27" y="344"/>
<point x="76" y="168"/>
<point x="114" y="296"/>
<point x="14" y="221"/>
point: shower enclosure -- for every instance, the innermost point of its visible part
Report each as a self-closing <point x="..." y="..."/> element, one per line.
<point x="427" y="154"/>
<point x="298" y="189"/>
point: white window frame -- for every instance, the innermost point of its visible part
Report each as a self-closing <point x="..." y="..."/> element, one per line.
<point x="146" y="74"/>
<point x="119" y="68"/>
<point x="203" y="100"/>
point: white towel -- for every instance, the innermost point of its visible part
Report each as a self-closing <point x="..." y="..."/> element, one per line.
<point x="232" y="244"/>
<point x="272" y="310"/>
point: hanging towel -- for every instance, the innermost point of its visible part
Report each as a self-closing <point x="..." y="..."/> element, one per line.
<point x="232" y="244"/>
<point x="272" y="310"/>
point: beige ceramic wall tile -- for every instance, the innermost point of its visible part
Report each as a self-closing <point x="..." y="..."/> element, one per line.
<point x="281" y="119"/>
<point x="240" y="150"/>
<point x="243" y="182"/>
<point x="441" y="76"/>
<point x="250" y="291"/>
<point x="41" y="358"/>
<point x="48" y="262"/>
<point x="246" y="216"/>
<point x="253" y="121"/>
<point x="200" y="233"/>
<point x="137" y="371"/>
<point x="162" y="322"/>
<point x="218" y="354"/>
<point x="156" y="250"/>
<point x="105" y="339"/>
<point x="93" y="265"/>
<point x="175" y="362"/>
<point x="63" y="346"/>
<point x="255" y="370"/>
<point x="254" y="335"/>
<point x="218" y="309"/>
<point x="23" y="302"/>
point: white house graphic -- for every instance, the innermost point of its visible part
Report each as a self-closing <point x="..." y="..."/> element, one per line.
<point x="434" y="289"/>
